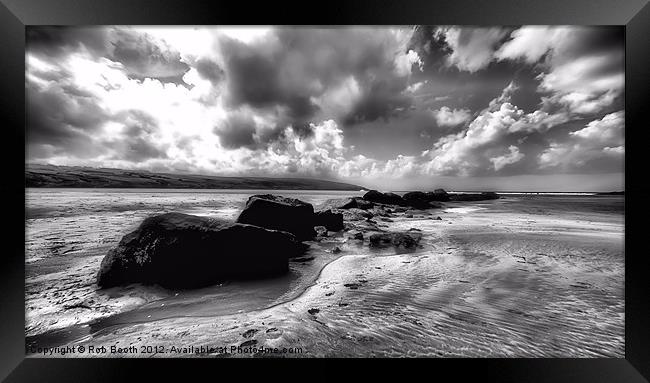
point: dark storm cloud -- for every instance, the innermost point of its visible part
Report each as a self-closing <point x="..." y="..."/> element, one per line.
<point x="141" y="56"/>
<point x="55" y="41"/>
<point x="63" y="121"/>
<point x="255" y="78"/>
<point x="358" y="100"/>
<point x="209" y="70"/>
<point x="237" y="131"/>
<point x="138" y="141"/>
<point x="383" y="99"/>
<point x="144" y="58"/>
<point x="303" y="64"/>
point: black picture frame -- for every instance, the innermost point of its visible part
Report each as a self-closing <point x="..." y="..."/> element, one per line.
<point x="16" y="14"/>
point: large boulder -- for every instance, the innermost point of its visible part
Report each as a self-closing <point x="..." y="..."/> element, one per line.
<point x="384" y="198"/>
<point x="177" y="250"/>
<point x="280" y="213"/>
<point x="331" y="220"/>
<point x="420" y="200"/>
<point x="417" y="200"/>
<point x="354" y="203"/>
<point x="485" y="196"/>
<point x="439" y="195"/>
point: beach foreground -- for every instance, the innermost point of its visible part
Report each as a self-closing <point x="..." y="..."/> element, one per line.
<point x="522" y="276"/>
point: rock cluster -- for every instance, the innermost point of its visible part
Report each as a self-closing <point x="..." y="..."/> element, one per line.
<point x="177" y="250"/>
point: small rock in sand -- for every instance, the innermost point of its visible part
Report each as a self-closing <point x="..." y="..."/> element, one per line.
<point x="249" y="333"/>
<point x="407" y="239"/>
<point x="313" y="311"/>
<point x="321" y="231"/>
<point x="356" y="235"/>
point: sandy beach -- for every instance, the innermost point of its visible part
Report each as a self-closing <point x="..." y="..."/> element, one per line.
<point x="499" y="278"/>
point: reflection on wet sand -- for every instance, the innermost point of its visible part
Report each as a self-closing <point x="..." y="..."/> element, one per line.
<point x="510" y="277"/>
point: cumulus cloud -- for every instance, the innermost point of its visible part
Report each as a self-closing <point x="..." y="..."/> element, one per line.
<point x="296" y="68"/>
<point x="353" y="103"/>
<point x="145" y="57"/>
<point x="472" y="48"/>
<point x="404" y="62"/>
<point x="601" y="138"/>
<point x="583" y="66"/>
<point x="447" y="117"/>
<point x="529" y="43"/>
<point x="510" y="158"/>
<point x="415" y="86"/>
<point x="236" y="131"/>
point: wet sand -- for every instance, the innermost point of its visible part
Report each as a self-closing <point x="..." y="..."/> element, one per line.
<point x="504" y="278"/>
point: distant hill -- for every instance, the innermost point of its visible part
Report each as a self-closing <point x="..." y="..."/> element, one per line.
<point x="51" y="176"/>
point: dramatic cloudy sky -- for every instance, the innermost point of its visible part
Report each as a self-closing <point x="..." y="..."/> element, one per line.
<point x="517" y="108"/>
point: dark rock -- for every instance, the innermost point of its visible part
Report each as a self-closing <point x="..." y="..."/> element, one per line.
<point x="384" y="198"/>
<point x="321" y="231"/>
<point x="438" y="218"/>
<point x="183" y="251"/>
<point x="280" y="213"/>
<point x="352" y="286"/>
<point x="407" y="240"/>
<point x="485" y="196"/>
<point x="336" y="250"/>
<point x="249" y="333"/>
<point x="356" y="214"/>
<point x="422" y="201"/>
<point x="386" y="219"/>
<point x="416" y="195"/>
<point x="409" y="216"/>
<point x="353" y="203"/>
<point x="313" y="311"/>
<point x="332" y="221"/>
<point x="248" y="343"/>
<point x="357" y="235"/>
<point x="439" y="195"/>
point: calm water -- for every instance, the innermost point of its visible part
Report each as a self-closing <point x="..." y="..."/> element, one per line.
<point x="520" y="276"/>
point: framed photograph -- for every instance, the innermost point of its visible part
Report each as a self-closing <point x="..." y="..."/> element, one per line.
<point x="441" y="181"/>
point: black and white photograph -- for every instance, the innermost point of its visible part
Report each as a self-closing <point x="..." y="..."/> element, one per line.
<point x="354" y="191"/>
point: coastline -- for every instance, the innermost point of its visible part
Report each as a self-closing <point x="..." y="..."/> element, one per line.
<point x="447" y="299"/>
